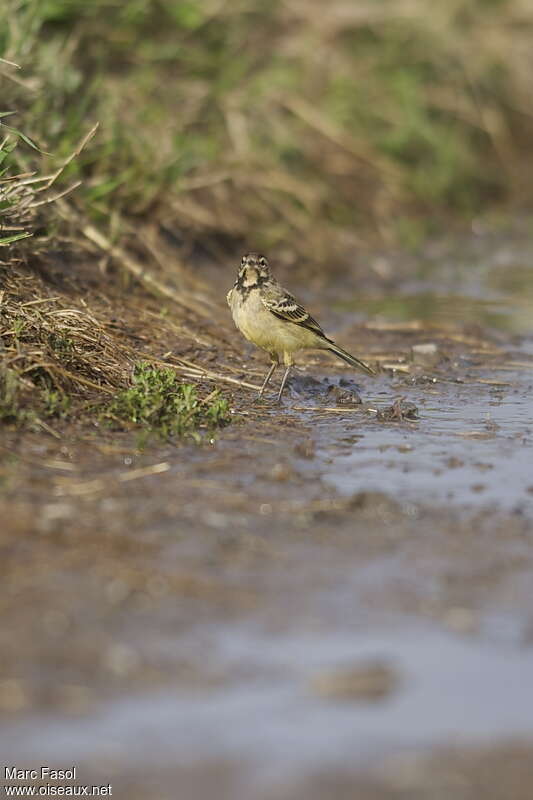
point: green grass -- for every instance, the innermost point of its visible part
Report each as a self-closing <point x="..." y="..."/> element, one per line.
<point x="158" y="402"/>
<point x="25" y="404"/>
<point x="56" y="403"/>
<point x="12" y="409"/>
<point x="256" y="116"/>
<point x="62" y="359"/>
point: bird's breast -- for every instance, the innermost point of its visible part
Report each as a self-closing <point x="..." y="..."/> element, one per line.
<point x="252" y="318"/>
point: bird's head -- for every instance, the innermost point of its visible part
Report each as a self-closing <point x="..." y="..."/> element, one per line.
<point x="254" y="271"/>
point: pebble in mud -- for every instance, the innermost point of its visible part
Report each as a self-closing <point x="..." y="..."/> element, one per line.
<point x="372" y="500"/>
<point x="377" y="505"/>
<point x="281" y="472"/>
<point x="304" y="384"/>
<point x="398" y="411"/>
<point x="343" y="397"/>
<point x="454" y="463"/>
<point x="371" y="681"/>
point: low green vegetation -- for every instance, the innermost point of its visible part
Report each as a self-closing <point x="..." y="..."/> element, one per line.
<point x="158" y="402"/>
<point x="12" y="409"/>
<point x="56" y="403"/>
<point x="62" y="361"/>
<point x="272" y="117"/>
<point x="28" y="409"/>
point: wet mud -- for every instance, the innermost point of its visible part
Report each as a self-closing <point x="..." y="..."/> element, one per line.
<point x="333" y="597"/>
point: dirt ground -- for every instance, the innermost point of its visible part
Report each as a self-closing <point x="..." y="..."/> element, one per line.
<point x="330" y="597"/>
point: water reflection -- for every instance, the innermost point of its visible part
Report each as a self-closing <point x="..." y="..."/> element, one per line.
<point x="503" y="300"/>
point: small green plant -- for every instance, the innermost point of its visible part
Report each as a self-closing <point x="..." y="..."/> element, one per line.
<point x="60" y="344"/>
<point x="158" y="402"/>
<point x="9" y="389"/>
<point x="22" y="405"/>
<point x="12" y="408"/>
<point x="55" y="403"/>
<point x="18" y="327"/>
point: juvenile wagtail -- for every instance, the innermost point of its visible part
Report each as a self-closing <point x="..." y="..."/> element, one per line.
<point x="267" y="315"/>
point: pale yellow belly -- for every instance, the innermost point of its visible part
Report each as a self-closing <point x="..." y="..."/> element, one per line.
<point x="266" y="331"/>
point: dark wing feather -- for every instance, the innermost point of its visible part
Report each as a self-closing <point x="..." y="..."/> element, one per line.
<point x="284" y="306"/>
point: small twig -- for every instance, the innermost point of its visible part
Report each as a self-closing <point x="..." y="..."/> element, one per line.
<point x="328" y="409"/>
<point x="144" y="472"/>
<point x="41" y="300"/>
<point x="65" y="372"/>
<point x="72" y="156"/>
<point x="56" y="196"/>
<point x="10" y="63"/>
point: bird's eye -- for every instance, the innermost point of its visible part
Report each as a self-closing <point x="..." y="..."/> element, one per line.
<point x="263" y="262"/>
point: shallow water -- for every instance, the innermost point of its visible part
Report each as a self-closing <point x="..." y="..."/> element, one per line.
<point x="499" y="296"/>
<point x="473" y="444"/>
<point x="472" y="447"/>
<point x="443" y="610"/>
<point x="448" y="692"/>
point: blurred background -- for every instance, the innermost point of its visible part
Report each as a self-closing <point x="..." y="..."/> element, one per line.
<point x="363" y="121"/>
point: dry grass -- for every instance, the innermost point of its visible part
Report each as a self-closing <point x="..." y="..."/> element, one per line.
<point x="67" y="357"/>
<point x="55" y="353"/>
<point x="276" y="123"/>
<point x="224" y="125"/>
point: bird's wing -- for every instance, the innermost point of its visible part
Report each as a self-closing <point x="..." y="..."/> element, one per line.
<point x="284" y="306"/>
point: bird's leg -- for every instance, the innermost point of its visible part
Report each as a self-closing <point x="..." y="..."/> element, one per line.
<point x="285" y="376"/>
<point x="269" y="375"/>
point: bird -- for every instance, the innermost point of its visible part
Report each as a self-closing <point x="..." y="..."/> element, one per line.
<point x="272" y="319"/>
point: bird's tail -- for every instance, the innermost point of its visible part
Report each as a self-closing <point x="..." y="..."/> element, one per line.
<point x="354" y="362"/>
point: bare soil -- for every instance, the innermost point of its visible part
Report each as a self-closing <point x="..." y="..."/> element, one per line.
<point x="329" y="598"/>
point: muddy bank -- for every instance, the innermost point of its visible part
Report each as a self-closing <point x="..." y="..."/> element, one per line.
<point x="326" y="597"/>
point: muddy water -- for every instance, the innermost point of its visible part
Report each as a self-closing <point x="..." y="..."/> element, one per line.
<point x="275" y="728"/>
<point x="321" y="596"/>
<point x="472" y="449"/>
